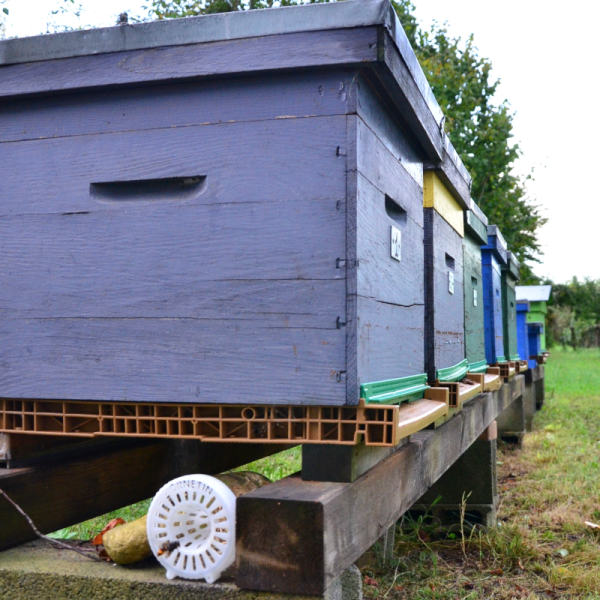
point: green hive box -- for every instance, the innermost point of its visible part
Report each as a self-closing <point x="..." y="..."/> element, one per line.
<point x="475" y="237"/>
<point x="510" y="278"/>
<point x="538" y="296"/>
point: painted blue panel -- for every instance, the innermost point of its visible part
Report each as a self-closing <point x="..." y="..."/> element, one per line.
<point x="492" y="308"/>
<point x="522" y="339"/>
<point x="534" y="333"/>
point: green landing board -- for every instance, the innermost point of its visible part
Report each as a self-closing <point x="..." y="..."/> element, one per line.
<point x="478" y="367"/>
<point x="455" y="373"/>
<point x="394" y="391"/>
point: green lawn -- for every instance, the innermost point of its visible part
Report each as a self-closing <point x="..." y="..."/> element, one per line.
<point x="541" y="548"/>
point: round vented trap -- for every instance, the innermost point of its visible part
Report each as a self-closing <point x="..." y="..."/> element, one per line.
<point x="191" y="527"/>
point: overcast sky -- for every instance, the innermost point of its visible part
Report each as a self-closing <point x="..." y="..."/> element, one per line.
<point x="546" y="60"/>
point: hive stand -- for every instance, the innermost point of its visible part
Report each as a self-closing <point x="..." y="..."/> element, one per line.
<point x="294" y="536"/>
<point x="472" y="479"/>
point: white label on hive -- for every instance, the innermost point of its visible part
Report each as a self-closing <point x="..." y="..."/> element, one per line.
<point x="474" y="297"/>
<point x="396" y="243"/>
<point x="451" y="282"/>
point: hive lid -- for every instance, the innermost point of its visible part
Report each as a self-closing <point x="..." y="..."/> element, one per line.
<point x="475" y="226"/>
<point x="523" y="306"/>
<point x="415" y="91"/>
<point x="534" y="293"/>
<point x="496" y="244"/>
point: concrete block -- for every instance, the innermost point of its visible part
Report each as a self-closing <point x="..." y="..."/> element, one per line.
<point x="37" y="570"/>
<point x="512" y="421"/>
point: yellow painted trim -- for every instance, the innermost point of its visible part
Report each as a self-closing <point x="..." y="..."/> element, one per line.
<point x="437" y="196"/>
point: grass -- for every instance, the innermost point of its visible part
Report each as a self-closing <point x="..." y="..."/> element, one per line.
<point x="541" y="547"/>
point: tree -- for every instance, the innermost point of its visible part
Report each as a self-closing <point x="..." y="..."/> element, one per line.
<point x="481" y="132"/>
<point x="480" y="129"/>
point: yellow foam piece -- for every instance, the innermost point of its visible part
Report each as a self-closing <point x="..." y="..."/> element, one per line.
<point x="437" y="196"/>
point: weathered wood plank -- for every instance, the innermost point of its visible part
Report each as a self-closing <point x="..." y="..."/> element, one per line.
<point x="387" y="127"/>
<point x="266" y="261"/>
<point x="175" y="63"/>
<point x="172" y="360"/>
<point x="390" y="340"/>
<point x="66" y="167"/>
<point x="69" y="491"/>
<point x="492" y="306"/>
<point x="405" y="93"/>
<point x="380" y="276"/>
<point x="297" y="536"/>
<point x="351" y="264"/>
<point x="289" y="95"/>
<point x="473" y="290"/>
<point x="444" y="310"/>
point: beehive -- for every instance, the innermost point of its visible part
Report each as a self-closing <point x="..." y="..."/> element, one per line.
<point x="510" y="277"/>
<point x="475" y="237"/>
<point x="538" y="296"/>
<point x="534" y="334"/>
<point x="522" y="335"/>
<point x="494" y="255"/>
<point x="223" y="209"/>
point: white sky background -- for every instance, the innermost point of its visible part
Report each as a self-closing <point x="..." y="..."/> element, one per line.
<point x="546" y="58"/>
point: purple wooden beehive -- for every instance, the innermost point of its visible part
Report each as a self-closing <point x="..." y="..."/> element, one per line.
<point x="204" y="210"/>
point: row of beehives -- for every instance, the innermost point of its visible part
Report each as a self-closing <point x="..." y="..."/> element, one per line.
<point x="143" y="265"/>
<point x="470" y="282"/>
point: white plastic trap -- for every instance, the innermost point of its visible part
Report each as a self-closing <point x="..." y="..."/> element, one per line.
<point x="191" y="527"/>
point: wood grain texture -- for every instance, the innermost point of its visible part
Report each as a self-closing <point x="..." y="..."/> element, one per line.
<point x="444" y="311"/>
<point x="171" y="360"/>
<point x="193" y="261"/>
<point x="492" y="307"/>
<point x="351" y="263"/>
<point x="408" y="99"/>
<point x="509" y="316"/>
<point x="474" y="319"/>
<point x="390" y="340"/>
<point x="387" y="173"/>
<point x="276" y="554"/>
<point x="379" y="275"/>
<point x="65" y="167"/>
<point x="175" y="63"/>
<point x="226" y="296"/>
<point x="71" y="490"/>
<point x="381" y="118"/>
<point x="259" y="98"/>
<point x="390" y="294"/>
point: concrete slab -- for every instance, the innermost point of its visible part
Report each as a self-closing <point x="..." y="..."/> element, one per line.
<point x="38" y="571"/>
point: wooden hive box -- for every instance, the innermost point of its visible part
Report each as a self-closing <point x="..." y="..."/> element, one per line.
<point x="534" y="336"/>
<point x="494" y="255"/>
<point x="510" y="277"/>
<point x="475" y="237"/>
<point x="522" y="335"/>
<point x="538" y="296"/>
<point x="444" y="294"/>
<point x="221" y="209"/>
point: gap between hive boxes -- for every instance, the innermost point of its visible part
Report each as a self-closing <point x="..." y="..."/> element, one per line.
<point x="378" y="425"/>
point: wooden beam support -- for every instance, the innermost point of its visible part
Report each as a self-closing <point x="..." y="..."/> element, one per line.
<point x="68" y="491"/>
<point x="297" y="536"/>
